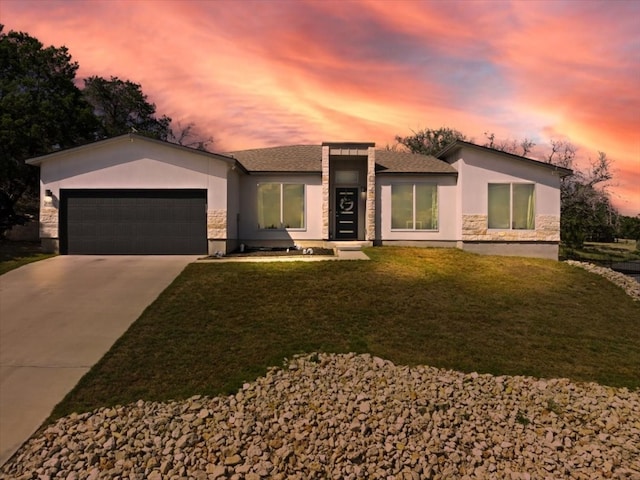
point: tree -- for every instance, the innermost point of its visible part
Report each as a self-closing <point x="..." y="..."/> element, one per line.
<point x="41" y="110"/>
<point x="430" y="141"/>
<point x="522" y="147"/>
<point x="122" y="107"/>
<point x="629" y="227"/>
<point x="586" y="213"/>
<point x="188" y="137"/>
<point x="562" y="153"/>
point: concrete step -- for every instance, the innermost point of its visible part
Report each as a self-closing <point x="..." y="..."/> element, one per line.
<point x="348" y="246"/>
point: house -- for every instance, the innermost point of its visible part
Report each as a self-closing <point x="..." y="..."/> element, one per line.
<point x="136" y="195"/>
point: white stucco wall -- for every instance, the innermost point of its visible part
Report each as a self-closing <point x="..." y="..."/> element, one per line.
<point x="477" y="169"/>
<point x="447" y="205"/>
<point x="249" y="231"/>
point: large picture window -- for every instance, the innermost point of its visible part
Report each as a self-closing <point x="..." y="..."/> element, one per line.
<point x="512" y="206"/>
<point x="280" y="205"/>
<point x="414" y="206"/>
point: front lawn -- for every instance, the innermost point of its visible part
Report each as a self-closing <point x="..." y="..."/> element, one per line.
<point x="603" y="253"/>
<point x="221" y="324"/>
<point x="15" y="254"/>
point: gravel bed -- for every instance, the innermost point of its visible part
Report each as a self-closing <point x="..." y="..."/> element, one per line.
<point x="630" y="286"/>
<point x="353" y="417"/>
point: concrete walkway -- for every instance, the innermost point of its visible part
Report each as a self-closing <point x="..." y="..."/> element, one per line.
<point x="342" y="255"/>
<point x="58" y="317"/>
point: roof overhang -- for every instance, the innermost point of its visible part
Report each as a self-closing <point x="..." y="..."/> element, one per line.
<point x="459" y="144"/>
<point x="130" y="137"/>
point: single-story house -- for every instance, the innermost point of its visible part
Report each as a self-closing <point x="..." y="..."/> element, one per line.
<point x="136" y="195"/>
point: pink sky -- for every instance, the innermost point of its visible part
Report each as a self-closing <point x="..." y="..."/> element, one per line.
<point x="275" y="72"/>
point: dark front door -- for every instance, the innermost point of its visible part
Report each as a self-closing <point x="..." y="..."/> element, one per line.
<point x="346" y="213"/>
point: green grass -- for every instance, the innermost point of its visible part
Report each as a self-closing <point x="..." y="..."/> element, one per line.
<point x="16" y="254"/>
<point x="219" y="325"/>
<point x="621" y="251"/>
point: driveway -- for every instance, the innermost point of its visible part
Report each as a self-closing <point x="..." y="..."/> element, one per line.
<point x="58" y="317"/>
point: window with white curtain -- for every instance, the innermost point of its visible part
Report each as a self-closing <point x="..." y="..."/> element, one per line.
<point x="280" y="205"/>
<point x="512" y="206"/>
<point x="414" y="206"/>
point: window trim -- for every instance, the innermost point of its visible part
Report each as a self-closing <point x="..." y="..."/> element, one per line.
<point x="413" y="220"/>
<point x="511" y="218"/>
<point x="282" y="227"/>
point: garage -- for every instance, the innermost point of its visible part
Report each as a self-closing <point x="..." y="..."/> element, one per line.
<point x="133" y="221"/>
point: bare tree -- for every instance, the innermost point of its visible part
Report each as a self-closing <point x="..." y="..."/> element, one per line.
<point x="187" y="136"/>
<point x="562" y="153"/>
<point x="523" y="147"/>
<point x="526" y="145"/>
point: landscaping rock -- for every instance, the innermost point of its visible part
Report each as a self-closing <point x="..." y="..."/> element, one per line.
<point x="628" y="284"/>
<point x="349" y="417"/>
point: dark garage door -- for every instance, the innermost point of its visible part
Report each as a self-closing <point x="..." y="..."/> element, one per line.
<point x="150" y="222"/>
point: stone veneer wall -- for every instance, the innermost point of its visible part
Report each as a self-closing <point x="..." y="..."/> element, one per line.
<point x="48" y="221"/>
<point x="325" y="192"/>
<point x="217" y="224"/>
<point x="474" y="229"/>
<point x="370" y="219"/>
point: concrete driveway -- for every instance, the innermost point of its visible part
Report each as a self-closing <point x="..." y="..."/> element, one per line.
<point x="58" y="317"/>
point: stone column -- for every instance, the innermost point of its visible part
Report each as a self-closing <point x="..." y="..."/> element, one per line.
<point x="325" y="192"/>
<point x="370" y="219"/>
<point x="49" y="228"/>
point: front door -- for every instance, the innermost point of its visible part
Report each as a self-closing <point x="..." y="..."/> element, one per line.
<point x="346" y="213"/>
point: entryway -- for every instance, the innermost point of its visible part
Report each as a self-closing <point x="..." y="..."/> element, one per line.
<point x="346" y="213"/>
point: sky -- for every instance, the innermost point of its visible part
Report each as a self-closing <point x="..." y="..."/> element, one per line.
<point x="258" y="73"/>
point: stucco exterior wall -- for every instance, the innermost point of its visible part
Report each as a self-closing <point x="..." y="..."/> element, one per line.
<point x="477" y="170"/>
<point x="250" y="233"/>
<point x="447" y="206"/>
<point x="133" y="164"/>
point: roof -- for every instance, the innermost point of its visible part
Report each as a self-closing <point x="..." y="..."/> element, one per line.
<point x="128" y="137"/>
<point x="308" y="159"/>
<point x="293" y="158"/>
<point x="391" y="161"/>
<point x="458" y="144"/>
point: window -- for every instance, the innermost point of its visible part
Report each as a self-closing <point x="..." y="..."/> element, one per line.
<point x="414" y="206"/>
<point x="347" y="177"/>
<point x="280" y="205"/>
<point x="512" y="206"/>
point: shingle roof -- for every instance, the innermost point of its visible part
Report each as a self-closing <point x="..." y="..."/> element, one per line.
<point x="308" y="158"/>
<point x="293" y="158"/>
<point x="390" y="161"/>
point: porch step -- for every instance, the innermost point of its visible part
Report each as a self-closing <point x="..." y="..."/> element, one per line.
<point x="348" y="246"/>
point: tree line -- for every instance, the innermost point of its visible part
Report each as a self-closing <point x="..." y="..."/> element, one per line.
<point x="43" y="110"/>
<point x="587" y="213"/>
